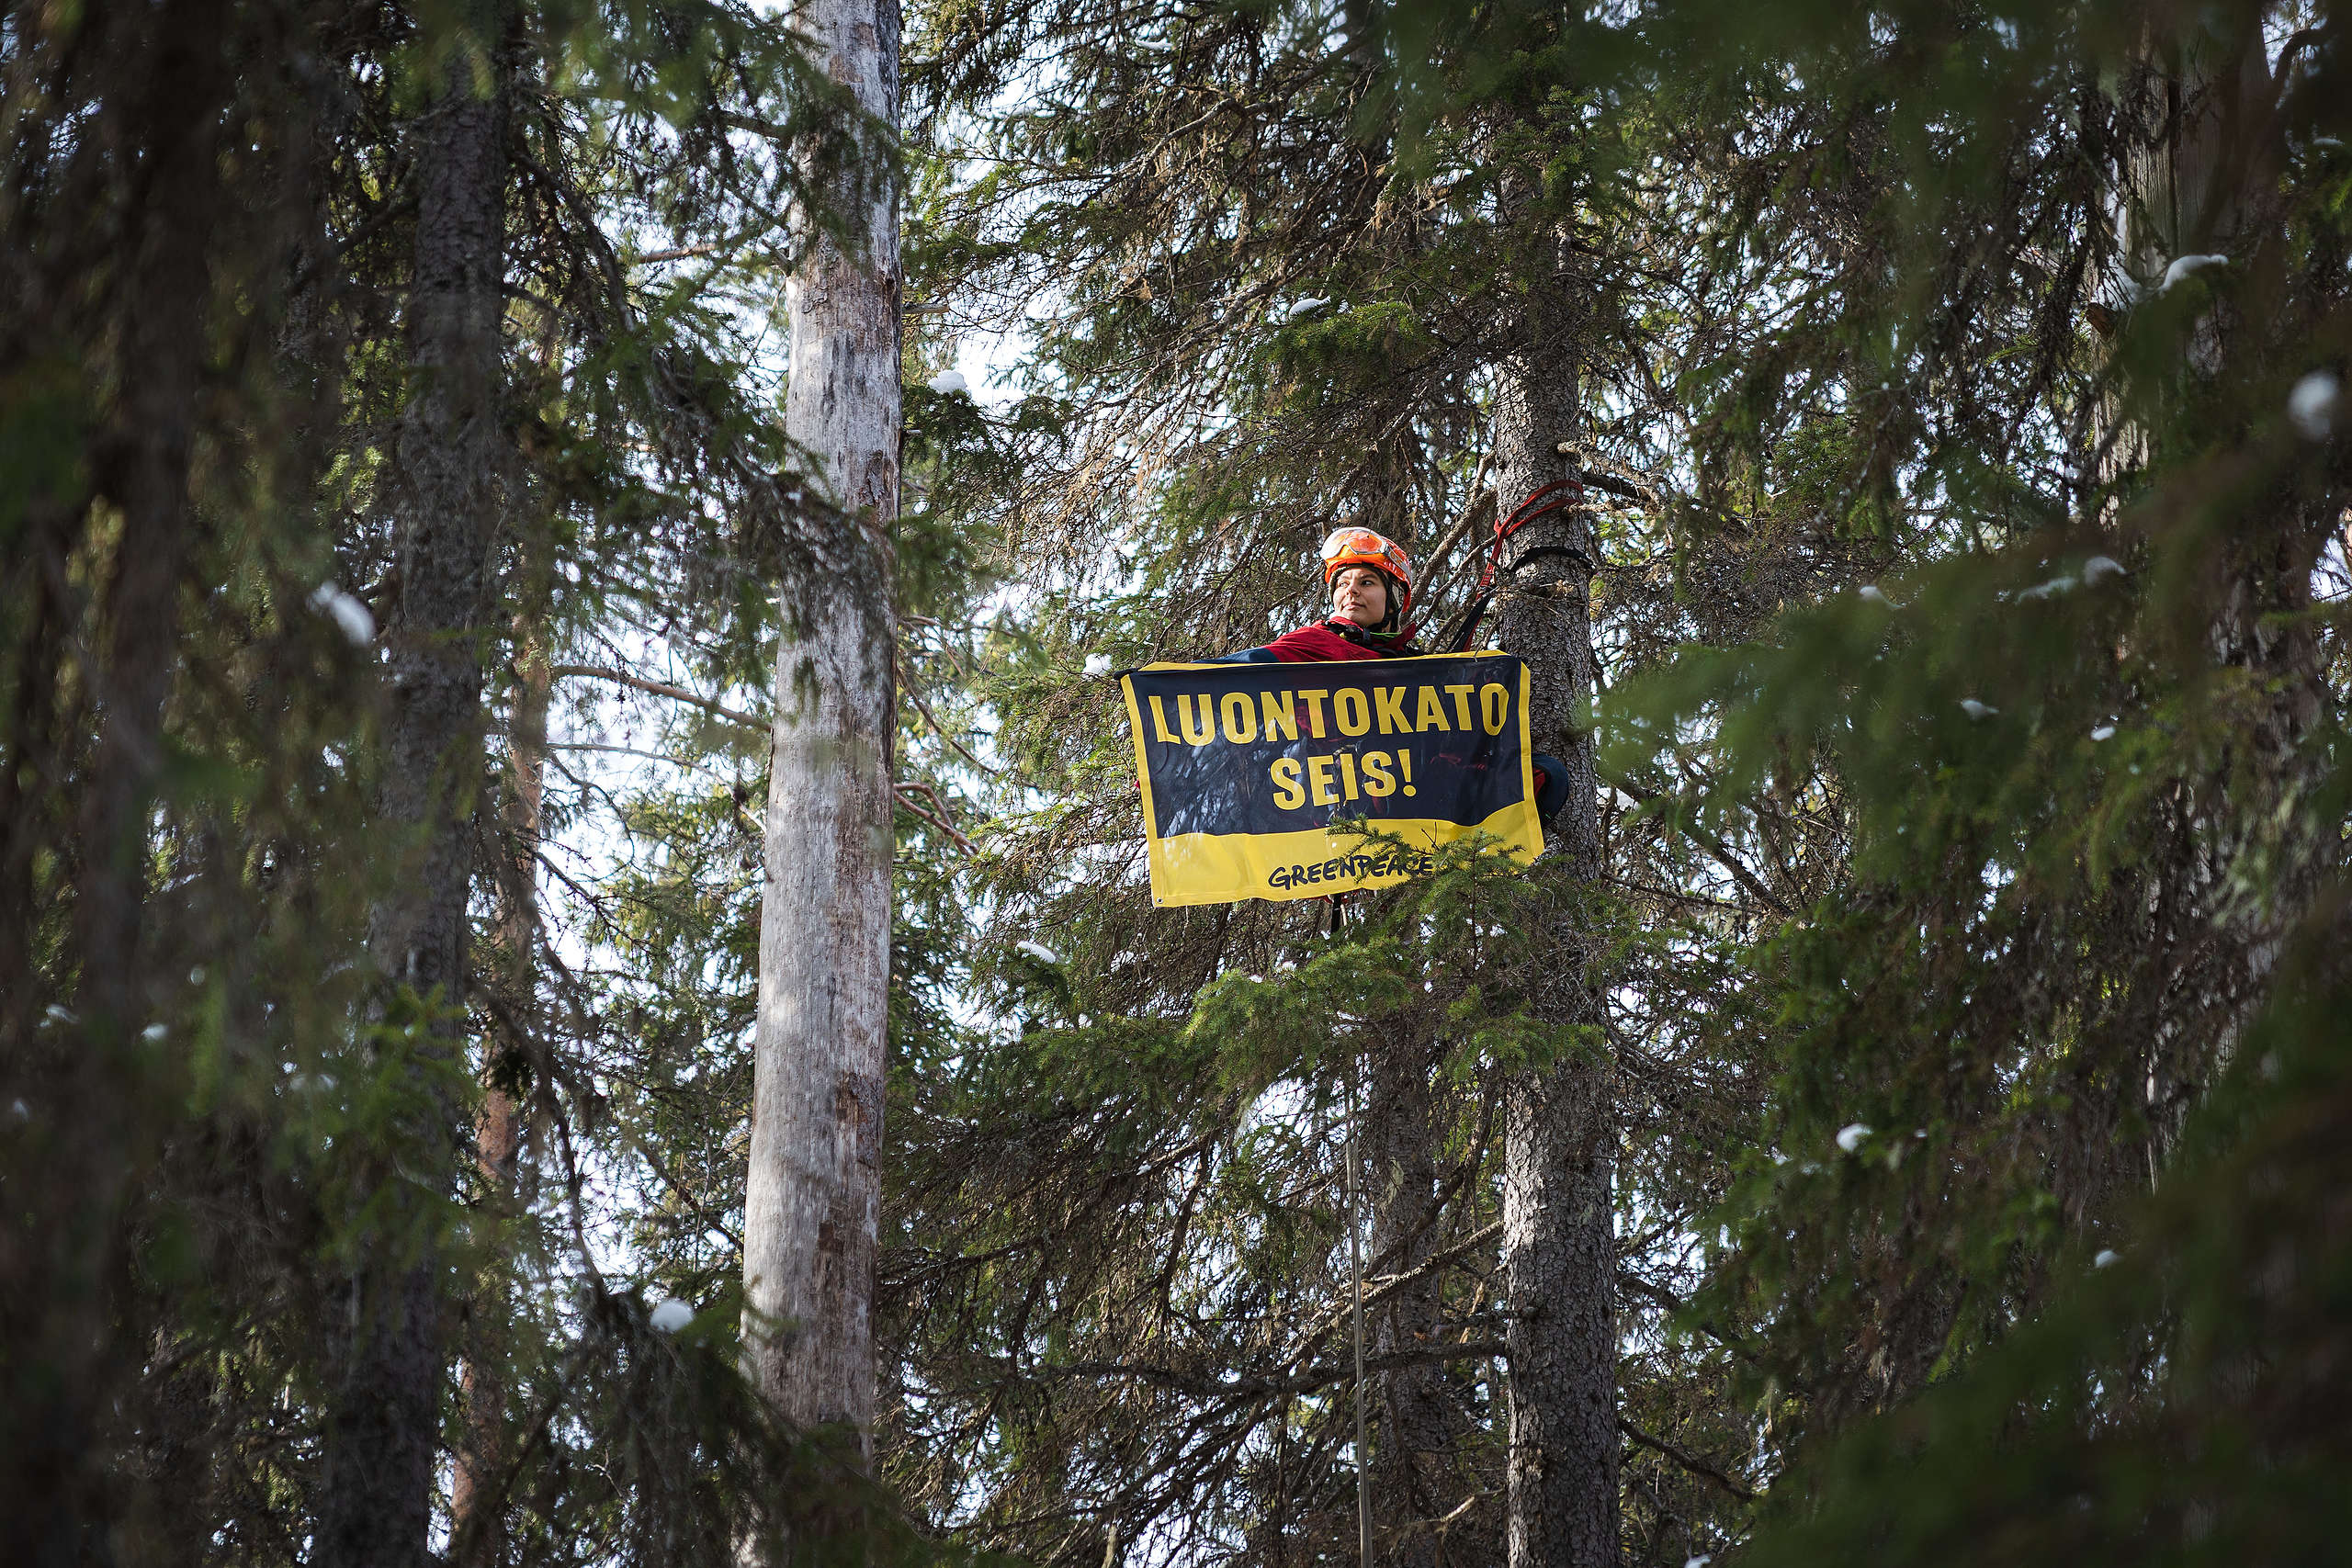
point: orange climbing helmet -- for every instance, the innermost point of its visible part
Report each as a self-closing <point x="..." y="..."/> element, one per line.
<point x="1362" y="547"/>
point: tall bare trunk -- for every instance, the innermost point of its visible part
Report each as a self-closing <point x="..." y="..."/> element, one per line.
<point x="383" y="1429"/>
<point x="813" y="1202"/>
<point x="1559" y="1246"/>
<point x="2200" y="176"/>
<point x="145" y="470"/>
<point x="67" y="1265"/>
<point x="1415" y="1474"/>
<point x="476" y="1503"/>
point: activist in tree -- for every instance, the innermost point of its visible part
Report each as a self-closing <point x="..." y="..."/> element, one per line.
<point x="1370" y="579"/>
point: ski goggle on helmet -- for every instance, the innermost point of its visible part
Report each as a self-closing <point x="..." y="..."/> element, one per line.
<point x="1362" y="547"/>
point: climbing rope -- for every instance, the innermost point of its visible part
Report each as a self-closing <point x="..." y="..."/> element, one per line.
<point x="1557" y="496"/>
<point x="1355" y="1281"/>
<point x="1355" y="1273"/>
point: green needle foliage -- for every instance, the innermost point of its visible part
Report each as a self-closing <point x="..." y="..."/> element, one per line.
<point x="1965" y="444"/>
<point x="218" y="1110"/>
<point x="2083" y="739"/>
<point x="1965" y="608"/>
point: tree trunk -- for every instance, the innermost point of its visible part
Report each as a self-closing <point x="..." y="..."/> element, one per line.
<point x="145" y="470"/>
<point x="813" y="1202"/>
<point x="164" y="110"/>
<point x="1559" y="1245"/>
<point x="1415" y="1476"/>
<point x="476" y="1504"/>
<point x="383" y="1429"/>
<point x="2200" y="176"/>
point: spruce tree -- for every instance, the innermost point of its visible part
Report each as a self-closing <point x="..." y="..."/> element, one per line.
<point x="226" y="291"/>
<point x="1935" y="999"/>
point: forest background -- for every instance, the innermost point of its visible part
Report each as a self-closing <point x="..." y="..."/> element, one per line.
<point x="1944" y="981"/>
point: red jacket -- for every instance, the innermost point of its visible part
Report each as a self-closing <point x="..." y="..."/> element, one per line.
<point x="1318" y="643"/>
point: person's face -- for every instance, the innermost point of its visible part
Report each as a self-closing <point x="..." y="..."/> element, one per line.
<point x="1361" y="594"/>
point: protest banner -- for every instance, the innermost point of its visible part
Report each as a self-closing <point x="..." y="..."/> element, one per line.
<point x="1252" y="773"/>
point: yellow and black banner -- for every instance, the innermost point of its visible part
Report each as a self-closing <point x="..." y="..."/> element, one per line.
<point x="1247" y="768"/>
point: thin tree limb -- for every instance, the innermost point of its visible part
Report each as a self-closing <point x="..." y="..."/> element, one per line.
<point x="1707" y="841"/>
<point x="1689" y="1462"/>
<point x="659" y="689"/>
<point x="937" y="819"/>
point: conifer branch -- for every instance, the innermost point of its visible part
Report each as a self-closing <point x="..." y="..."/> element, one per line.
<point x="681" y="253"/>
<point x="1689" y="1462"/>
<point x="914" y="695"/>
<point x="659" y="689"/>
<point x="1714" y="847"/>
<point x="1265" y="1387"/>
<point x="938" y="817"/>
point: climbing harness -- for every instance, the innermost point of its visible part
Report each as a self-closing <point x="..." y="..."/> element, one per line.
<point x="1557" y="496"/>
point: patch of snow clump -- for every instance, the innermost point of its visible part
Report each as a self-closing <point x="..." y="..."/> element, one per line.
<point x="349" y="615"/>
<point x="2185" y="266"/>
<point x="1699" y="1561"/>
<point x="1040" y="952"/>
<point x="2104" y="732"/>
<point x="2055" y="585"/>
<point x="948" y="381"/>
<point x="670" y="1314"/>
<point x="2098" y="568"/>
<point x="2310" y="407"/>
<point x="1098" y="664"/>
<point x="1872" y="594"/>
<point x="2106" y="1257"/>
<point x="1975" y="709"/>
<point x="1850" y="1136"/>
<point x="151" y="1033"/>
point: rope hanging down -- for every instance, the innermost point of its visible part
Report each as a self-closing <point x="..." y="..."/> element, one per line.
<point x="1355" y="1281"/>
<point x="1354" y="1185"/>
<point x="1557" y="496"/>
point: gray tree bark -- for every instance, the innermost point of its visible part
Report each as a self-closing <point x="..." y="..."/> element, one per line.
<point x="145" y="470"/>
<point x="477" y="1504"/>
<point x="812" y="1202"/>
<point x="166" y="105"/>
<point x="383" y="1427"/>
<point x="1559" y="1244"/>
<point x="1415" y="1478"/>
<point x="2202" y="177"/>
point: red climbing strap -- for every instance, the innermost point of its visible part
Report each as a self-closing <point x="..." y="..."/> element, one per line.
<point x="1548" y="499"/>
<point x="1557" y="496"/>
